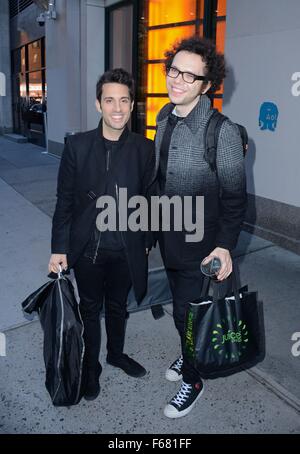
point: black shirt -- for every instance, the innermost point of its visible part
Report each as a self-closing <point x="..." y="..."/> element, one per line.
<point x="164" y="151"/>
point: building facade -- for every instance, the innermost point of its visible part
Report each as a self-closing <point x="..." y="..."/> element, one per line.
<point x="51" y="68"/>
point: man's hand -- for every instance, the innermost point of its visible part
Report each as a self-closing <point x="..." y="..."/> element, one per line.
<point x="225" y="258"/>
<point x="55" y="261"/>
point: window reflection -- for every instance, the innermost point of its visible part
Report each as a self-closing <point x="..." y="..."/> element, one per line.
<point x="29" y="91"/>
<point x="35" y="87"/>
<point x="34" y="56"/>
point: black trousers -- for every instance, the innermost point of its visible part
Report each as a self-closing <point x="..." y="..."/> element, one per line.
<point x="185" y="286"/>
<point x="107" y="281"/>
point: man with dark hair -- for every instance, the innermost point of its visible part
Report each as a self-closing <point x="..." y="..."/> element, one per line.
<point x="192" y="68"/>
<point x="106" y="263"/>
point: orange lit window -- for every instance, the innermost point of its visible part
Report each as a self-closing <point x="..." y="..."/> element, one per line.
<point x="221" y="9"/>
<point x="150" y="134"/>
<point x="153" y="107"/>
<point x="171" y="11"/>
<point x="23" y="91"/>
<point x="162" y="39"/>
<point x="220" y="37"/>
<point x="220" y="44"/>
<point x="156" y="78"/>
<point x="218" y="104"/>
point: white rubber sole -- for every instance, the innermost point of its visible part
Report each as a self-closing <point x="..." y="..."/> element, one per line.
<point x="173" y="413"/>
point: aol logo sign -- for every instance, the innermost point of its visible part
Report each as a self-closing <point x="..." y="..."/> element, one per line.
<point x="296" y="86"/>
<point x="268" y="116"/>
<point x="2" y="84"/>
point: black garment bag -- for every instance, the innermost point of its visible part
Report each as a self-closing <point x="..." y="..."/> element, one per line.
<point x="60" y="318"/>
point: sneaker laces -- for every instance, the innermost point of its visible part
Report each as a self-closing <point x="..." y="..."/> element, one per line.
<point x="178" y="364"/>
<point x="182" y="394"/>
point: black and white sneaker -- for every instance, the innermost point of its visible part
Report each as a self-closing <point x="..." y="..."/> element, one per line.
<point x="174" y="373"/>
<point x="185" y="399"/>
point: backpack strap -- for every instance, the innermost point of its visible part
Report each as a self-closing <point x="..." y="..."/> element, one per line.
<point x="211" y="136"/>
<point x="244" y="136"/>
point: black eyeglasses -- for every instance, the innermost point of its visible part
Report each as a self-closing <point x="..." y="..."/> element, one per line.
<point x="187" y="77"/>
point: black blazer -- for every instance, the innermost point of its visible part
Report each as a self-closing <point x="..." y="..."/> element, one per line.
<point x="81" y="180"/>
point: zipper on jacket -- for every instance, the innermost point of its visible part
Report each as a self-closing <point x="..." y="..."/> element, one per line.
<point x="107" y="159"/>
<point x="99" y="238"/>
<point x="121" y="233"/>
<point x="97" y="247"/>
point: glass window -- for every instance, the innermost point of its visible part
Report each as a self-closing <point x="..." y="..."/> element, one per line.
<point x="160" y="40"/>
<point x="34" y="56"/>
<point x="29" y="90"/>
<point x="153" y="107"/>
<point x="218" y="103"/>
<point x="221" y="8"/>
<point x="220" y="35"/>
<point x="171" y="11"/>
<point x="156" y="82"/>
<point x="120" y="50"/>
<point x="45" y="86"/>
<point x="35" y="87"/>
<point x="220" y="43"/>
<point x="150" y="134"/>
<point x="22" y="81"/>
<point x="23" y="60"/>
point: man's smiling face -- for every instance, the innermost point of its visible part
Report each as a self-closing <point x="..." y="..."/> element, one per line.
<point x="180" y="92"/>
<point x="115" y="106"/>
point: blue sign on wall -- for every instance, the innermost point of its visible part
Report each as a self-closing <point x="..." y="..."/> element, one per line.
<point x="268" y="116"/>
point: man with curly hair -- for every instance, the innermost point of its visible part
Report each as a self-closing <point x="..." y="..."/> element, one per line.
<point x="193" y="67"/>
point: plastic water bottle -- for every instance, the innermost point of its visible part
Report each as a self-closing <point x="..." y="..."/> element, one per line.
<point x="211" y="268"/>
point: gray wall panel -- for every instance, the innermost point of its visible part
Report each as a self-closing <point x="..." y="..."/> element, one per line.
<point x="261" y="68"/>
<point x="262" y="51"/>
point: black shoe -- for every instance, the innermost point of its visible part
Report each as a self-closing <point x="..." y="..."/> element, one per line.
<point x="92" y="387"/>
<point x="174" y="373"/>
<point x="184" y="400"/>
<point x="128" y="365"/>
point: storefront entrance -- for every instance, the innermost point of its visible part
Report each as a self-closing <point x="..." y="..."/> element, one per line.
<point x="29" y="91"/>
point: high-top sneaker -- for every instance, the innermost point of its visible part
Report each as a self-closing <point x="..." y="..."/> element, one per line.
<point x="184" y="400"/>
<point x="174" y="373"/>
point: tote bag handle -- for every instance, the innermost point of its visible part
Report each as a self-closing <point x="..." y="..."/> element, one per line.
<point x="231" y="282"/>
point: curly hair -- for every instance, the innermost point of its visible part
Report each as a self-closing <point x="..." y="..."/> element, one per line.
<point x="118" y="76"/>
<point x="215" y="68"/>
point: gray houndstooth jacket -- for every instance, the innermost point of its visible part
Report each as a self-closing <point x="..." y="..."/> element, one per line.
<point x="224" y="191"/>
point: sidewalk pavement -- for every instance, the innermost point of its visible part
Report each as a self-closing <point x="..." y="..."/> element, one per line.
<point x="265" y="399"/>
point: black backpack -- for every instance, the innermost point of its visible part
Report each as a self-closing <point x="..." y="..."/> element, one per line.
<point x="211" y="135"/>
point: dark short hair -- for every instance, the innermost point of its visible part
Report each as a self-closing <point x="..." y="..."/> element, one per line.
<point x="118" y="76"/>
<point x="215" y="68"/>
